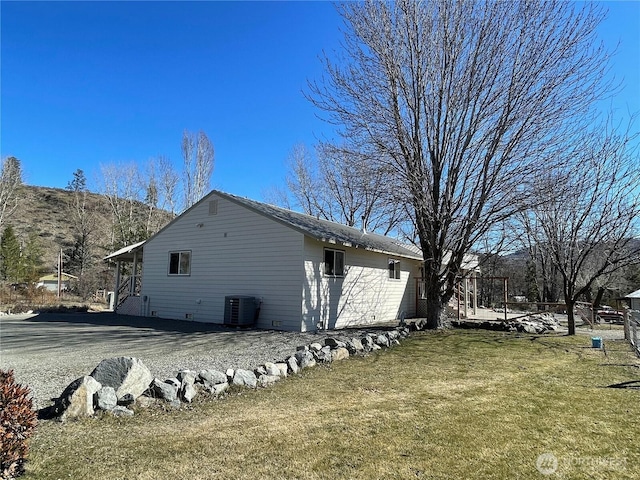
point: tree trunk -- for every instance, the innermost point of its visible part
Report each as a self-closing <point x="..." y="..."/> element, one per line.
<point x="434" y="303"/>
<point x="570" y="317"/>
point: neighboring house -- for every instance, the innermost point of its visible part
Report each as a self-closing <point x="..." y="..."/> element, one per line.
<point x="634" y="300"/>
<point x="50" y="282"/>
<point x="307" y="273"/>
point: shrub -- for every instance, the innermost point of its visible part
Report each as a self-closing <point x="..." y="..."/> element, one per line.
<point x="17" y="423"/>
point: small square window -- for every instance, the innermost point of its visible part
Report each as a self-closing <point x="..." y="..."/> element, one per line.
<point x="334" y="262"/>
<point x="180" y="263"/>
<point x="394" y="269"/>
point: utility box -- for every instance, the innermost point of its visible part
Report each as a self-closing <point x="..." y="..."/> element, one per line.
<point x="240" y="310"/>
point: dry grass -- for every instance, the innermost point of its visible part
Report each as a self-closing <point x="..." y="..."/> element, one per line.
<point x="457" y="404"/>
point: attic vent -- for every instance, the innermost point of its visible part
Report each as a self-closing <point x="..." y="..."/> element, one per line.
<point x="213" y="207"/>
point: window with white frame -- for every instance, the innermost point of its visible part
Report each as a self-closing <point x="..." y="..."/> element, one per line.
<point x="180" y="263"/>
<point x="333" y="262"/>
<point x="394" y="269"/>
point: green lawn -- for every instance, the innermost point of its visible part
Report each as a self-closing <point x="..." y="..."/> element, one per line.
<point x="453" y="404"/>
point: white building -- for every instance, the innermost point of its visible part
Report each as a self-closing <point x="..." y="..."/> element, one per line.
<point x="307" y="273"/>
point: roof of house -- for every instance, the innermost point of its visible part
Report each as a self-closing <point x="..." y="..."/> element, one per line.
<point x="635" y="294"/>
<point x="319" y="229"/>
<point x="327" y="231"/>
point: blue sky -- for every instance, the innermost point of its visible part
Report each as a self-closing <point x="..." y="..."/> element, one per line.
<point x="85" y="83"/>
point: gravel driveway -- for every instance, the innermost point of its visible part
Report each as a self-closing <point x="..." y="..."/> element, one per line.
<point x="49" y="351"/>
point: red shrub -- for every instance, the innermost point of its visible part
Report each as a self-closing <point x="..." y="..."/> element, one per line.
<point x="17" y="423"/>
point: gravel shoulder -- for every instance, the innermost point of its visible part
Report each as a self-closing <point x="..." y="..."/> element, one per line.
<point x="49" y="351"/>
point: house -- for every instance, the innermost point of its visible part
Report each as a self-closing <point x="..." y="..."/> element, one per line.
<point x="50" y="282"/>
<point x="306" y="273"/>
<point x="634" y="300"/>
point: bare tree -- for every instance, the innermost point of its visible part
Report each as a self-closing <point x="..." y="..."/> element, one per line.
<point x="122" y="189"/>
<point x="339" y="186"/>
<point x="586" y="221"/>
<point x="462" y="103"/>
<point x="10" y="180"/>
<point x="198" y="157"/>
<point x="168" y="182"/>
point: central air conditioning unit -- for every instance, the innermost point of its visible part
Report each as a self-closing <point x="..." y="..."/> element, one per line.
<point x="240" y="310"/>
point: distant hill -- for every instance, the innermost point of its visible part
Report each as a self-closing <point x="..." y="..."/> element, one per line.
<point x="46" y="212"/>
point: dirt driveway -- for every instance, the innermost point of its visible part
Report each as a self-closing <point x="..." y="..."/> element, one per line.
<point x="49" y="351"/>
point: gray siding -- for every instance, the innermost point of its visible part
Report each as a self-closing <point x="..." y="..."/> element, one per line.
<point x="365" y="296"/>
<point x="233" y="252"/>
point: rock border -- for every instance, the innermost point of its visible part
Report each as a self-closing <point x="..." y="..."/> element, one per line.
<point x="120" y="382"/>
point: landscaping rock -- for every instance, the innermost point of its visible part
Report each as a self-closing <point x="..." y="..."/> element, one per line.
<point x="340" y="353"/>
<point x="218" y="388"/>
<point x="124" y="375"/>
<point x="230" y="373"/>
<point x="175" y="382"/>
<point x="120" y="411"/>
<point x="210" y="378"/>
<point x="164" y="390"/>
<point x="187" y="376"/>
<point x="126" y="400"/>
<point x="382" y="340"/>
<point x="187" y="389"/>
<point x="323" y="355"/>
<point x="292" y="364"/>
<point x="272" y="369"/>
<point x="367" y="343"/>
<point x="305" y="359"/>
<point x="145" y="402"/>
<point x="315" y="347"/>
<point x="354" y="346"/>
<point x="245" y="378"/>
<point x="266" y="380"/>
<point x="282" y="368"/>
<point x="188" y="392"/>
<point x="333" y="343"/>
<point x="106" y="398"/>
<point x="77" y="399"/>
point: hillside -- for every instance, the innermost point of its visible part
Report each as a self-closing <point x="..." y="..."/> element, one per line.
<point x="47" y="212"/>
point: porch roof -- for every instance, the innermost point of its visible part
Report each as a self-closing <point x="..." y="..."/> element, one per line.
<point x="126" y="254"/>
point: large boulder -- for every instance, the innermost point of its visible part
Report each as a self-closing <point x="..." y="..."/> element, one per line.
<point x="77" y="400"/>
<point x="124" y="375"/>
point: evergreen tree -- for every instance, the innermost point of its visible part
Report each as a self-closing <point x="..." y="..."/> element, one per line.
<point x="10" y="269"/>
<point x="78" y="183"/>
<point x="31" y="259"/>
